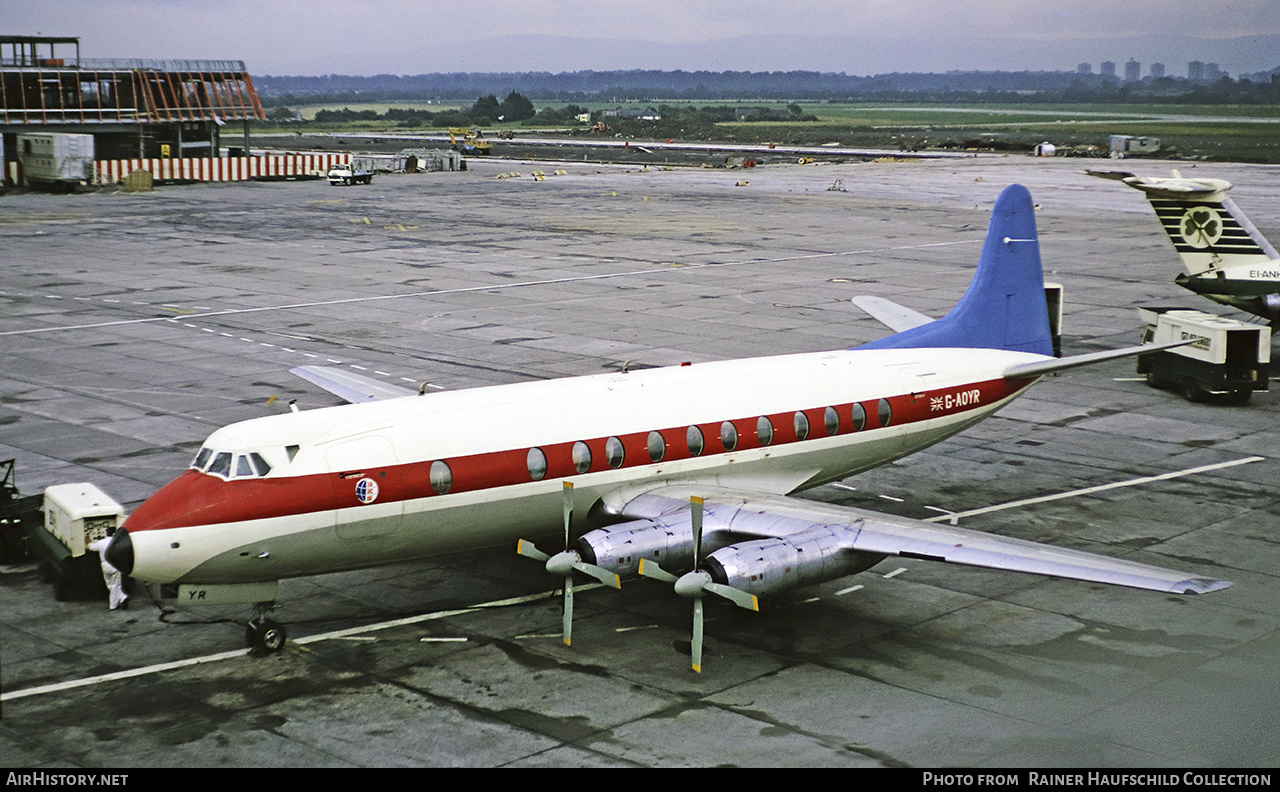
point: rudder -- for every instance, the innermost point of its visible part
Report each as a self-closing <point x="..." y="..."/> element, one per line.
<point x="1004" y="306"/>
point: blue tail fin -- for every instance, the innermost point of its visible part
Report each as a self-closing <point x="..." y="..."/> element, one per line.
<point x="1004" y="306"/>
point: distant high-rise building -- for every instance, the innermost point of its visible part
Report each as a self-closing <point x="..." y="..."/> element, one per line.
<point x="1157" y="71"/>
<point x="1084" y="68"/>
<point x="1108" y="69"/>
<point x="1132" y="71"/>
<point x="1195" y="71"/>
<point x="1212" y="73"/>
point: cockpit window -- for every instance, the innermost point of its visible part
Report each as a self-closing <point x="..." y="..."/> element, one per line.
<point x="221" y="465"/>
<point x="227" y="465"/>
<point x="202" y="459"/>
<point x="259" y="464"/>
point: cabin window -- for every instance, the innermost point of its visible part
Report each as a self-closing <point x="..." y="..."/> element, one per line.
<point x="441" y="476"/>
<point x="221" y="465"/>
<point x="537" y="464"/>
<point x="693" y="438"/>
<point x="886" y="413"/>
<point x="801" y="424"/>
<point x="657" y="446"/>
<point x="614" y="452"/>
<point x="202" y="459"/>
<point x="764" y="430"/>
<point x="581" y="457"/>
<point x="292" y="451"/>
<point x="831" y="420"/>
<point x="859" y="417"/>
<point x="728" y="435"/>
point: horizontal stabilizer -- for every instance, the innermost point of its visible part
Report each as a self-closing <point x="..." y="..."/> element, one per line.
<point x="890" y="314"/>
<point x="1041" y="367"/>
<point x="1169" y="187"/>
<point x="350" y="387"/>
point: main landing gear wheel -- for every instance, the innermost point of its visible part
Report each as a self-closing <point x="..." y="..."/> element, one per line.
<point x="264" y="634"/>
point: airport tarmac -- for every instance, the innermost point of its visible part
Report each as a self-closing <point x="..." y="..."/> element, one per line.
<point x="133" y="325"/>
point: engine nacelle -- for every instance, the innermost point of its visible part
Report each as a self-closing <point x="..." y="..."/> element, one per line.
<point x="766" y="566"/>
<point x="620" y="548"/>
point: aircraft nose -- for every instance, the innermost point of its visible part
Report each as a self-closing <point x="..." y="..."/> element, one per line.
<point x="120" y="552"/>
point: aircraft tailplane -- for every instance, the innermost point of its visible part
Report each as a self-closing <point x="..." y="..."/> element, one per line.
<point x="1004" y="306"/>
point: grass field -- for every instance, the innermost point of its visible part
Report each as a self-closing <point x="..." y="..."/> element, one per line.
<point x="1246" y="133"/>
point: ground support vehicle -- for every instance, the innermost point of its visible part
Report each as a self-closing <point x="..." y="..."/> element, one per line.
<point x="18" y="515"/>
<point x="1225" y="360"/>
<point x="75" y="516"/>
<point x="349" y="174"/>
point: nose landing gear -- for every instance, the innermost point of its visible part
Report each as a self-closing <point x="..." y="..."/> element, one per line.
<point x="264" y="634"/>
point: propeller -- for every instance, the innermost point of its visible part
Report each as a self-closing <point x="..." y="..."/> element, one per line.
<point x="566" y="562"/>
<point x="698" y="583"/>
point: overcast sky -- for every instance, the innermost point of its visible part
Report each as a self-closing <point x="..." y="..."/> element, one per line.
<point x="417" y="36"/>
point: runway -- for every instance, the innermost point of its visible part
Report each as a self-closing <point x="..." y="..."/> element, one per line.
<point x="133" y="325"/>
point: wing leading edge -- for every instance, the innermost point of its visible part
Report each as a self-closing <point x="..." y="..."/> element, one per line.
<point x="743" y="525"/>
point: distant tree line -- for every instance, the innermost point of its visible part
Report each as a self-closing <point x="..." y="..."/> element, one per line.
<point x="647" y="85"/>
<point x="486" y="110"/>
<point x="676" y="119"/>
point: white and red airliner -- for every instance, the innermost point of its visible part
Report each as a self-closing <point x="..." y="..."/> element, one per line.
<point x="670" y="461"/>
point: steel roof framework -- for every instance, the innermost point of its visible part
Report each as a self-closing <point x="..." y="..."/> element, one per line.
<point x="133" y="92"/>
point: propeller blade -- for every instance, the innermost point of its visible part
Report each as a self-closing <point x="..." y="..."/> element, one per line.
<point x="567" y="492"/>
<point x="737" y="596"/>
<point x="567" y="624"/>
<point x="526" y="548"/>
<point x="695" y="518"/>
<point x="599" y="573"/>
<point x="697" y="635"/>
<point x="650" y="569"/>
<point x="702" y="578"/>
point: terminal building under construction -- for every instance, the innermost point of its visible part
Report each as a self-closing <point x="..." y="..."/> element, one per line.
<point x="133" y="109"/>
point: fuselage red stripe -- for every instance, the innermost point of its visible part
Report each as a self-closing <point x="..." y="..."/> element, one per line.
<point x="196" y="498"/>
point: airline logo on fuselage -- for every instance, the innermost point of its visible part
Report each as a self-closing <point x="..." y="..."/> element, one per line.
<point x="954" y="401"/>
<point x="367" y="490"/>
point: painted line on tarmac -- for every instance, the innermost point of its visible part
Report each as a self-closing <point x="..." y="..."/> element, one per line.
<point x="213" y="658"/>
<point x="954" y="516"/>
<point x="490" y="287"/>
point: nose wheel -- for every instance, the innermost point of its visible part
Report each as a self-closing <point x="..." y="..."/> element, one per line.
<point x="264" y="634"/>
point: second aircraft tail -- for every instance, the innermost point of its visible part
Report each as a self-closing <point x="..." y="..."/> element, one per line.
<point x="1206" y="227"/>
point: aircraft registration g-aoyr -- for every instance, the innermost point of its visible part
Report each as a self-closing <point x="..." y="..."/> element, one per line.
<point x="1225" y="256"/>
<point x="684" y="468"/>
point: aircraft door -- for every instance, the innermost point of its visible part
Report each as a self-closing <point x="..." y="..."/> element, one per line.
<point x="360" y="468"/>
<point x="916" y="383"/>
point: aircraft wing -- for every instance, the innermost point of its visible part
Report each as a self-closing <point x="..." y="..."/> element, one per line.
<point x="351" y="387"/>
<point x="742" y="518"/>
<point x="890" y="314"/>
